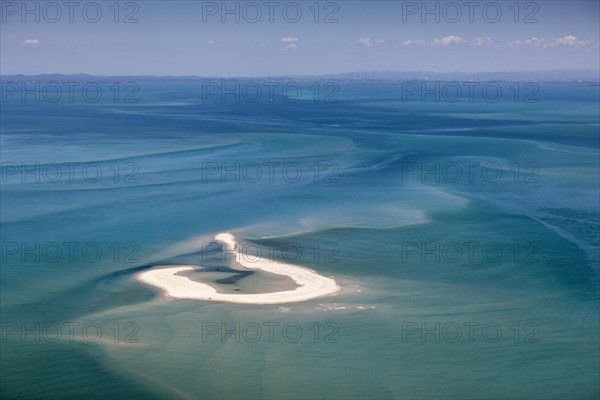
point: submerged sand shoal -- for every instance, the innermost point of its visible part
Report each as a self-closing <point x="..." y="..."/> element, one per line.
<point x="310" y="284"/>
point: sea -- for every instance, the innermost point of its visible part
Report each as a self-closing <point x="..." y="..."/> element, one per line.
<point x="461" y="220"/>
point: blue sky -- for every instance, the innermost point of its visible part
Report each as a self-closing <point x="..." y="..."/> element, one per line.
<point x="191" y="37"/>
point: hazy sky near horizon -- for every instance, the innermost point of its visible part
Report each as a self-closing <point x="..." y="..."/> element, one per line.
<point x="247" y="38"/>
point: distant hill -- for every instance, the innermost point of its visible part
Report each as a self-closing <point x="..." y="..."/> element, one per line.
<point x="554" y="75"/>
<point x="530" y="76"/>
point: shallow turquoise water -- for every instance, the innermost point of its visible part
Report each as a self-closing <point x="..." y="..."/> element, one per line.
<point x="465" y="236"/>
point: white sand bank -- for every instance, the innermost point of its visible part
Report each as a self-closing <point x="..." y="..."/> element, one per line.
<point x="310" y="284"/>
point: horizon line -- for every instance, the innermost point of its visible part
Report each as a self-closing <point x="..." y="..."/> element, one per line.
<point x="311" y="75"/>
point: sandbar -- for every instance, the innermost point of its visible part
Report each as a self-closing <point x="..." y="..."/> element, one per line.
<point x="311" y="285"/>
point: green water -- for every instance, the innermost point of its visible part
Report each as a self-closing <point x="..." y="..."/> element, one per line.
<point x="454" y="286"/>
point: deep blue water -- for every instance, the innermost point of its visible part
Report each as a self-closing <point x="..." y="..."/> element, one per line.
<point x="465" y="236"/>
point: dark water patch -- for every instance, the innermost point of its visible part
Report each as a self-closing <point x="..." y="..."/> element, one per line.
<point x="103" y="293"/>
<point x="235" y="277"/>
<point x="64" y="370"/>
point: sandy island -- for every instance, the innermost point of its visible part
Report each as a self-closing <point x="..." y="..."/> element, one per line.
<point x="310" y="284"/>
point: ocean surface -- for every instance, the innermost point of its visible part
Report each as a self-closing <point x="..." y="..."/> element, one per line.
<point x="465" y="236"/>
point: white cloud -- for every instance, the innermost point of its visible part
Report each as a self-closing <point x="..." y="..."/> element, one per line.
<point x="31" y="42"/>
<point x="571" y="41"/>
<point x="367" y="42"/>
<point x="290" y="43"/>
<point x="449" y="40"/>
<point x="211" y="43"/>
<point x="482" y="41"/>
<point x="568" y="41"/>
<point x="418" y="42"/>
<point x="533" y="42"/>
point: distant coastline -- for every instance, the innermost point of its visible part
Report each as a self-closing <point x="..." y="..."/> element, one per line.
<point x="590" y="76"/>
